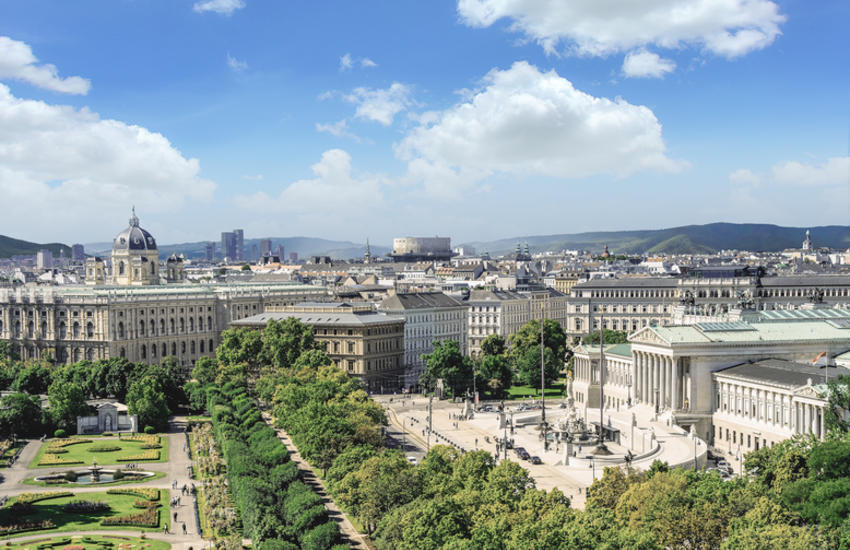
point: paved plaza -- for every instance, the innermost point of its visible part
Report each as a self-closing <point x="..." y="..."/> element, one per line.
<point x="652" y="438"/>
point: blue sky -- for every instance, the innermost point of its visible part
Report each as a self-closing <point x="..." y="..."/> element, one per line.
<point x="475" y="119"/>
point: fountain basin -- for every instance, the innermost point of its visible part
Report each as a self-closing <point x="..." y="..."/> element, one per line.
<point x="87" y="477"/>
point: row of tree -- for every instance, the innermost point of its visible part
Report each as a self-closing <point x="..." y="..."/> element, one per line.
<point x="501" y="362"/>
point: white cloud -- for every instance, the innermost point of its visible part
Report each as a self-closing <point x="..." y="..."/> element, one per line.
<point x="729" y="28"/>
<point x="337" y="129"/>
<point x="235" y="64"/>
<point x="834" y="172"/>
<point x="380" y="105"/>
<point x="18" y="62"/>
<point x="224" y="7"/>
<point x="347" y="62"/>
<point x="333" y="191"/>
<point x="258" y="177"/>
<point x="70" y="166"/>
<point x="641" y="63"/>
<point x="523" y="123"/>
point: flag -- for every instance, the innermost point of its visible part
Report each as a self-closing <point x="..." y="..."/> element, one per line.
<point x="817" y="359"/>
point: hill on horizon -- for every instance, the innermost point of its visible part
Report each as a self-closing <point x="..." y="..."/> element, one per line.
<point x="686" y="239"/>
<point x="13" y="247"/>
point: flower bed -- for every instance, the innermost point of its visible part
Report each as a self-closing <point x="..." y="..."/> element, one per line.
<point x="36" y="497"/>
<point x="142" y="438"/>
<point x="147" y="455"/>
<point x="141" y="492"/>
<point x="148" y="518"/>
<point x="22" y="526"/>
<point x="104" y="448"/>
<point x="54" y="460"/>
<point x="59" y="443"/>
<point x="86" y="507"/>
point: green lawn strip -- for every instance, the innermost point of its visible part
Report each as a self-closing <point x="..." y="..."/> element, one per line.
<point x="120" y="505"/>
<point x="525" y="392"/>
<point x="198" y="418"/>
<point x="80" y="453"/>
<point x="206" y="532"/>
<point x="89" y="542"/>
<point x="72" y="486"/>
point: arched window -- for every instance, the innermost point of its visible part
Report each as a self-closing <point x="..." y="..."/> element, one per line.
<point x="89" y="329"/>
<point x="209" y="323"/>
<point x="192" y="347"/>
<point x="121" y="268"/>
<point x="182" y="348"/>
<point x="191" y="324"/>
<point x="164" y="350"/>
<point x="121" y="330"/>
<point x="153" y="328"/>
<point x="76" y="355"/>
<point x="200" y="324"/>
<point x="212" y="346"/>
<point x="172" y="326"/>
<point x="144" y="351"/>
<point x="43" y="329"/>
<point x="153" y="350"/>
<point x="153" y="268"/>
<point x="17" y="329"/>
<point x="162" y="326"/>
<point x="30" y="329"/>
<point x="122" y="353"/>
<point x="174" y="348"/>
<point x="142" y="327"/>
<point x="90" y="354"/>
<point x="182" y="325"/>
<point x="202" y="346"/>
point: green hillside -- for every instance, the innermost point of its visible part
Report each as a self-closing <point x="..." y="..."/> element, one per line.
<point x="13" y="247"/>
<point x="685" y="239"/>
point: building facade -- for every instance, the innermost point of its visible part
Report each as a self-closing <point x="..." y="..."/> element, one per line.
<point x="364" y="343"/>
<point x="428" y="317"/>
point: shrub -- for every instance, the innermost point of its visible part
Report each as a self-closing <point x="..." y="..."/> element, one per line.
<point x="148" y="518"/>
<point x="54" y="460"/>
<point x="60" y="433"/>
<point x="151" y="446"/>
<point x="70" y="476"/>
<point x="141" y="492"/>
<point x="106" y="434"/>
<point x="104" y="448"/>
<point x="21" y="509"/>
<point x="36" y="497"/>
<point x="146" y="455"/>
<point x="321" y="537"/>
<point x="149" y="430"/>
<point x="118" y="474"/>
<point x="85" y="507"/>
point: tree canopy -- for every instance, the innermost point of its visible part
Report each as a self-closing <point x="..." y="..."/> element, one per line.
<point x="448" y="363"/>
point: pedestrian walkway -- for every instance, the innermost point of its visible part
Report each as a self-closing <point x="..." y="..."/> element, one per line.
<point x="308" y="475"/>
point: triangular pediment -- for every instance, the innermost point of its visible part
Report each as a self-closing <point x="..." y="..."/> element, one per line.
<point x="647" y="335"/>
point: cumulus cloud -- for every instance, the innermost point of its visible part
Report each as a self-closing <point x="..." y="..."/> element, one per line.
<point x="235" y="64"/>
<point x="333" y="191"/>
<point x="347" y="62"/>
<point x="641" y="63"/>
<point x="728" y="28"/>
<point x="525" y="122"/>
<point x="17" y="62"/>
<point x="224" y="7"/>
<point x="71" y="166"/>
<point x="337" y="129"/>
<point x="380" y="105"/>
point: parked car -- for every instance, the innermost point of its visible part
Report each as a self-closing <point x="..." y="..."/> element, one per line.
<point x="536" y="460"/>
<point x="413" y="460"/>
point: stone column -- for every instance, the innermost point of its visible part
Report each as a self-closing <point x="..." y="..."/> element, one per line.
<point x="676" y="387"/>
<point x="822" y="433"/>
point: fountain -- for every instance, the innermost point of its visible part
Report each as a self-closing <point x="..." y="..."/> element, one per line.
<point x="94" y="471"/>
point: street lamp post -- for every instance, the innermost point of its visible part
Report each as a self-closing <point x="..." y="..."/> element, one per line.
<point x="542" y="366"/>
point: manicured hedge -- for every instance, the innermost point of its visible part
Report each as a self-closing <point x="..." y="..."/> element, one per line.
<point x="278" y="511"/>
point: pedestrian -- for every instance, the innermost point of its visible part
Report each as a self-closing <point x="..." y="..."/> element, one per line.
<point x="184" y="527"/>
<point x="175" y="516"/>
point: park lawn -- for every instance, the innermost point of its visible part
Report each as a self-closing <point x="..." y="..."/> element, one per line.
<point x="72" y="486"/>
<point x="523" y="392"/>
<point x="79" y="453"/>
<point x="196" y="418"/>
<point x="130" y="543"/>
<point x="120" y="505"/>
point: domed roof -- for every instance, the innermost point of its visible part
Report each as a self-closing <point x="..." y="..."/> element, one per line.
<point x="134" y="237"/>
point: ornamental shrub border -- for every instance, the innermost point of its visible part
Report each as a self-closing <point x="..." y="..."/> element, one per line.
<point x="147" y="455"/>
<point x="148" y="518"/>
<point x="147" y="493"/>
<point x="37" y="497"/>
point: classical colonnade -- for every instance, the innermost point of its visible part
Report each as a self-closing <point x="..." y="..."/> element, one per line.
<point x="661" y="380"/>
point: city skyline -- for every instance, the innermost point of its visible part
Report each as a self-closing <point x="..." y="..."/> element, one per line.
<point x="339" y="120"/>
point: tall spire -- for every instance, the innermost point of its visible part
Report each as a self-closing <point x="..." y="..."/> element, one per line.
<point x="134" y="220"/>
<point x="368" y="256"/>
